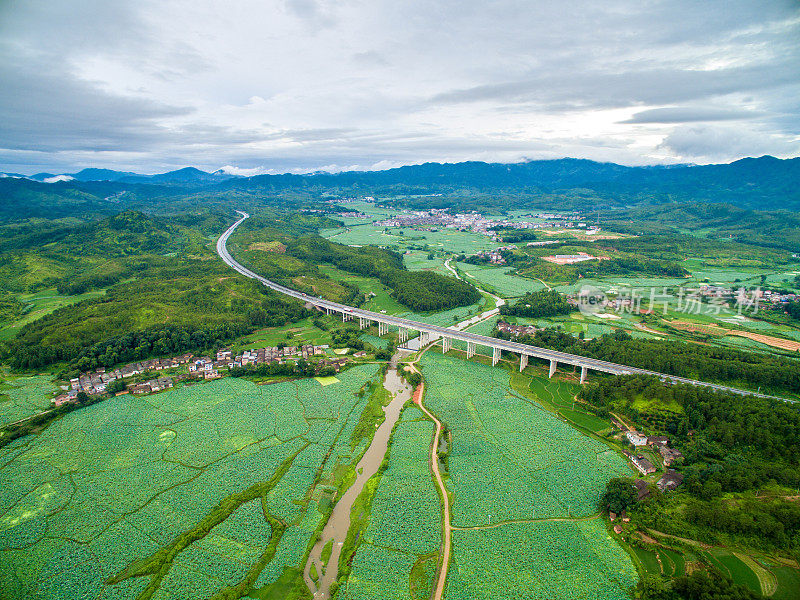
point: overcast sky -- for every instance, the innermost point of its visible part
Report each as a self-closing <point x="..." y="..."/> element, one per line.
<point x="297" y="85"/>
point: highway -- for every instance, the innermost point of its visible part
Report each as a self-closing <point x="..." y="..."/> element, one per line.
<point x="479" y="340"/>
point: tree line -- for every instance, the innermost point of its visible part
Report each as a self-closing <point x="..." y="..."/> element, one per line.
<point x="708" y="363"/>
<point x="544" y="303"/>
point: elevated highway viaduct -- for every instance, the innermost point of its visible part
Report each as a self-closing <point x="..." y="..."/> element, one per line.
<point x="431" y="333"/>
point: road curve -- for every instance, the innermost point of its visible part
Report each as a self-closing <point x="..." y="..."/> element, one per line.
<point x="479" y="340"/>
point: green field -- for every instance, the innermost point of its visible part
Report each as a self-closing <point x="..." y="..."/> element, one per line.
<point x="404" y="528"/>
<point x="554" y="560"/>
<point x="499" y="280"/>
<point x="417" y="260"/>
<point x="22" y="397"/>
<point x="120" y="487"/>
<point x="512" y="462"/>
<point x="448" y="240"/>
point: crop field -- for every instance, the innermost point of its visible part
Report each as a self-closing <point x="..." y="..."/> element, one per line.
<point x="449" y="240"/>
<point x="554" y="560"/>
<point x="417" y="260"/>
<point x="374" y="340"/>
<point x="448" y="317"/>
<point x="404" y="525"/>
<point x="22" y="397"/>
<point x="512" y="462"/>
<point x="499" y="280"/>
<point x="298" y="332"/>
<point x="173" y="493"/>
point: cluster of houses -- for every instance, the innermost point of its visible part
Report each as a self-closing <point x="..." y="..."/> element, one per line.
<point x="515" y="330"/>
<point x="495" y="257"/>
<point x="671" y="478"/>
<point x="203" y="367"/>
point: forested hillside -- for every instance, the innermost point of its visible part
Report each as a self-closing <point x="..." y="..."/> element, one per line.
<point x="731" y="445"/>
<point x="276" y="253"/>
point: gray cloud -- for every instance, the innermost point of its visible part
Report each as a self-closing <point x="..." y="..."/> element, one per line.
<point x="300" y="84"/>
<point x="689" y="114"/>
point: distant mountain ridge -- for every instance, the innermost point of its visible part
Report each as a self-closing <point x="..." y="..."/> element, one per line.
<point x="185" y="176"/>
<point x="764" y="183"/>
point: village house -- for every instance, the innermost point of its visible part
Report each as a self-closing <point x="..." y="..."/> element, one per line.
<point x="657" y="440"/>
<point x="670" y="455"/>
<point x="670" y="481"/>
<point x="642" y="491"/>
<point x="644" y="466"/>
<point x="636" y="438"/>
<point x="516" y="330"/>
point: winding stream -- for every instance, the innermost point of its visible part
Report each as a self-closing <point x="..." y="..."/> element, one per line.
<point x="339" y="522"/>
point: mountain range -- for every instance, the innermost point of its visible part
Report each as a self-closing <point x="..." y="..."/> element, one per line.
<point x="764" y="183"/>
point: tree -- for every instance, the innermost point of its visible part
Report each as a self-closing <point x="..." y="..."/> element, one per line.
<point x="619" y="495"/>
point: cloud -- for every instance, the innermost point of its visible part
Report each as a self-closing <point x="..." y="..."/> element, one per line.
<point x="300" y="85"/>
<point x="57" y="179"/>
<point x="689" y="114"/>
<point x="231" y="170"/>
<point x="710" y="143"/>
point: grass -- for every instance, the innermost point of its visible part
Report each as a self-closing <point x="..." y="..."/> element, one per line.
<point x="648" y="560"/>
<point x="40" y="304"/>
<point x="499" y="280"/>
<point x="292" y="334"/>
<point x="739" y="571"/>
<point x="788" y="583"/>
<point x="447" y="240"/>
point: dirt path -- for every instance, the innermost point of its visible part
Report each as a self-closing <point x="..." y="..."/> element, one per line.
<point x="512" y="521"/>
<point x="643" y="327"/>
<point x="544" y="283"/>
<point x="447" y="529"/>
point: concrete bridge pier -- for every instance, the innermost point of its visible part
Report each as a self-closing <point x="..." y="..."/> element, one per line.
<point x="403" y="335"/>
<point x="523" y="362"/>
<point x="583" y="374"/>
<point x="553" y="365"/>
<point x="495" y="356"/>
<point x="424" y="338"/>
<point x="362" y="322"/>
<point x="346" y="317"/>
<point x="383" y="328"/>
<point x="447" y="343"/>
<point x="470" y="349"/>
<point x="328" y="310"/>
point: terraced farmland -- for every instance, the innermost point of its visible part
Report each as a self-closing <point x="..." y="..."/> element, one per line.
<point x="183" y="494"/>
<point x="516" y="465"/>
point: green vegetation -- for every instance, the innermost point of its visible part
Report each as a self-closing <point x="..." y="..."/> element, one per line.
<point x="538" y="304"/>
<point x="558" y="560"/>
<point x="419" y="290"/>
<point x="740" y="466"/>
<point x="522" y="483"/>
<point x="403" y="534"/>
<point x="208" y="490"/>
<point x="707" y="363"/>
<point x="22" y="397"/>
